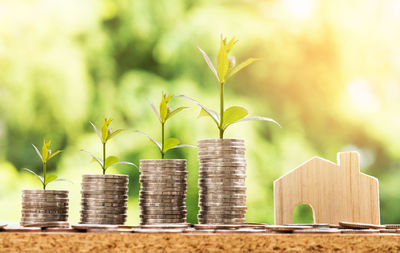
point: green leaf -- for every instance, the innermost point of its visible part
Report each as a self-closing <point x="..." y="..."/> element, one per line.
<point x="214" y="115"/>
<point x="158" y="144"/>
<point x="45" y="151"/>
<point x="233" y="114"/>
<point x="39" y="177"/>
<point x="170" y="143"/>
<point x="154" y="109"/>
<point x="222" y="62"/>
<point x="54" y="154"/>
<point x="113" y="134"/>
<point x="209" y="63"/>
<point x="129" y="163"/>
<point x="97" y="131"/>
<point x="230" y="44"/>
<point x="241" y="66"/>
<point x="259" y="118"/>
<point x="38" y="152"/>
<point x="184" y="146"/>
<point x="171" y="114"/>
<point x="163" y="109"/>
<point x="94" y="158"/>
<point x="49" y="178"/>
<point x="104" y="129"/>
<point x="111" y="160"/>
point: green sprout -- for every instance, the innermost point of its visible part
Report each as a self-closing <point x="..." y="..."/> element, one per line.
<point x="163" y="115"/>
<point x="105" y="135"/>
<point x="226" y="68"/>
<point x="45" y="156"/>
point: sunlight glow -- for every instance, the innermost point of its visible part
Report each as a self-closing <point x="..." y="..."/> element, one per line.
<point x="299" y="9"/>
<point x="362" y="97"/>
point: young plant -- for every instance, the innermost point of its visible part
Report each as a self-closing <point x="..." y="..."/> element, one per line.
<point x="163" y="115"/>
<point x="105" y="135"/>
<point x="226" y="68"/>
<point x="45" y="156"/>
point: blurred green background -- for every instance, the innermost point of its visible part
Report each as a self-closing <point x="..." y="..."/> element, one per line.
<point x="330" y="75"/>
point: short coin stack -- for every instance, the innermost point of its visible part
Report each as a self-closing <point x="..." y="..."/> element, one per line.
<point x="104" y="199"/>
<point x="163" y="191"/>
<point x="44" y="206"/>
<point x="222" y="178"/>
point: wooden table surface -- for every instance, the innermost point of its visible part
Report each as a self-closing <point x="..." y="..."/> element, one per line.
<point x="182" y="242"/>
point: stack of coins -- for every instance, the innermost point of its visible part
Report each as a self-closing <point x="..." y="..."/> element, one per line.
<point x="222" y="178"/>
<point x="104" y="199"/>
<point x="163" y="191"/>
<point x="44" y="206"/>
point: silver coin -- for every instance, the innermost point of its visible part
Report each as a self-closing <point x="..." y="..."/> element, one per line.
<point x="208" y="146"/>
<point x="162" y="212"/>
<point x="220" y="216"/>
<point x="97" y="215"/>
<point x="181" y="207"/>
<point x="238" y="202"/>
<point x="220" y="199"/>
<point x="102" y="220"/>
<point x="214" y="163"/>
<point x="46" y="192"/>
<point x="156" y="196"/>
<point x="211" y="205"/>
<point x="166" y="205"/>
<point x="163" y="161"/>
<point x="106" y="208"/>
<point x="220" y="220"/>
<point x="108" y="187"/>
<point x="103" y="212"/>
<point x="161" y="192"/>
<point x="44" y="210"/>
<point x="165" y="167"/>
<point x="108" y="176"/>
<point x="222" y="213"/>
<point x="150" y="200"/>
<point x="156" y="171"/>
<point x="44" y="198"/>
<point x="105" y="182"/>
<point x="220" y="182"/>
<point x="227" y="192"/>
<point x="104" y="195"/>
<point x="223" y="158"/>
<point x="164" y="184"/>
<point x="144" y="221"/>
<point x="221" y="173"/>
<point x="177" y="181"/>
<point x="105" y="221"/>
<point x="164" y="216"/>
<point x="222" y="153"/>
<point x="223" y="169"/>
<point x="217" y="187"/>
<point x="54" y="203"/>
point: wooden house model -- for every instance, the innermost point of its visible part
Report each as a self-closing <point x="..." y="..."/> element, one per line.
<point x="336" y="192"/>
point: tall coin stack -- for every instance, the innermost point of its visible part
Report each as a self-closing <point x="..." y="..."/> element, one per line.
<point x="222" y="183"/>
<point x="104" y="199"/>
<point x="44" y="206"/>
<point x="163" y="191"/>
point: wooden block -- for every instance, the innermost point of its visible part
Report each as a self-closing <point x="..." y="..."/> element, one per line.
<point x="336" y="192"/>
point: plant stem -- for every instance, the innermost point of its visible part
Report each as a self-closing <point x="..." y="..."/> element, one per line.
<point x="162" y="141"/>
<point x="44" y="176"/>
<point x="104" y="158"/>
<point x="221" y="110"/>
